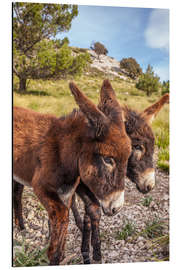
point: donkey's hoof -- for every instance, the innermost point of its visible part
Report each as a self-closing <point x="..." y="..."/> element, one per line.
<point x="97" y="261"/>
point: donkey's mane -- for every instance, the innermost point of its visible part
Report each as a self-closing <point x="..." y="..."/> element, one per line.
<point x="72" y="115"/>
<point x="134" y="120"/>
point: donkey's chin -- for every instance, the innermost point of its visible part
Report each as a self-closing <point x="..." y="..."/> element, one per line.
<point x="109" y="212"/>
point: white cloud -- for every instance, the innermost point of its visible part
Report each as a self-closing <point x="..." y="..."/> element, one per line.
<point x="157" y="31"/>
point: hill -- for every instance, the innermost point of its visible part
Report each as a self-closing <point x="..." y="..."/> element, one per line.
<point x="103" y="63"/>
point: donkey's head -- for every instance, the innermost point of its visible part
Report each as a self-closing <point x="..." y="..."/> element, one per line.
<point x="105" y="149"/>
<point x="140" y="164"/>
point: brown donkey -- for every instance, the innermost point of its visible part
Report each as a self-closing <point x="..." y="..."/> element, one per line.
<point x="50" y="154"/>
<point x="140" y="170"/>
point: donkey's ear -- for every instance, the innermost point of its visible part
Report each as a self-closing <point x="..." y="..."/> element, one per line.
<point x="150" y="113"/>
<point x="109" y="104"/>
<point x="96" y="118"/>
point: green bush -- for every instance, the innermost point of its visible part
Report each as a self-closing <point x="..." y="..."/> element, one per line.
<point x="165" y="87"/>
<point x="131" y="66"/>
<point x="64" y="60"/>
<point x="80" y="63"/>
<point x="148" y="81"/>
<point x="99" y="48"/>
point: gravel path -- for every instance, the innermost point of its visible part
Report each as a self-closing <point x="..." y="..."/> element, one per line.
<point x="136" y="248"/>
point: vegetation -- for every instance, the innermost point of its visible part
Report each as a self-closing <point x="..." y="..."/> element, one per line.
<point x="148" y="82"/>
<point x="99" y="48"/>
<point x="33" y="25"/>
<point x="146" y="201"/>
<point x="31" y="258"/>
<point x="132" y="68"/>
<point x="128" y="230"/>
<point x="165" y="87"/>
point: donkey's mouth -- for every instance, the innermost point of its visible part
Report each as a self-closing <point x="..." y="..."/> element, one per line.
<point x="143" y="191"/>
<point x="111" y="212"/>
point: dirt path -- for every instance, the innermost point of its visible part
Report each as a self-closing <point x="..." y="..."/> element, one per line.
<point x="136" y="248"/>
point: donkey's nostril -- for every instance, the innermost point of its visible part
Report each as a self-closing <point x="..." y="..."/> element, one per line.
<point x="149" y="187"/>
<point x="114" y="211"/>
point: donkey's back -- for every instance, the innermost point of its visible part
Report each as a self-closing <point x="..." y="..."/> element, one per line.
<point x="29" y="129"/>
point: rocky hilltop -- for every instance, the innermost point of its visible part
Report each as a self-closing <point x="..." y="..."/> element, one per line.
<point x="107" y="64"/>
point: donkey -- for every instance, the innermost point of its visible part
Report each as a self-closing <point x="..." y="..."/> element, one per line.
<point x="140" y="171"/>
<point x="51" y="155"/>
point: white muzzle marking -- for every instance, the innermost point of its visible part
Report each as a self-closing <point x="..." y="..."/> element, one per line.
<point x="147" y="180"/>
<point x="113" y="202"/>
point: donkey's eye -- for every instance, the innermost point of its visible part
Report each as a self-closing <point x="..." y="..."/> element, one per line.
<point x="108" y="160"/>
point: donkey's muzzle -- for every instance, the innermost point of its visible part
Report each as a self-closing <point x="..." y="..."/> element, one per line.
<point x="113" y="203"/>
<point x="146" y="181"/>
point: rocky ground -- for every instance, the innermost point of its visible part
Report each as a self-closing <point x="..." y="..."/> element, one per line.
<point x="144" y="219"/>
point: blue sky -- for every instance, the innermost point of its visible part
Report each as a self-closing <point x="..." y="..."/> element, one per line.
<point x="142" y="33"/>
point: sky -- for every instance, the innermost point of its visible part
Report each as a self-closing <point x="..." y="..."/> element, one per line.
<point x="141" y="33"/>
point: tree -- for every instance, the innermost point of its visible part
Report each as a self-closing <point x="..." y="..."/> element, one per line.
<point x="34" y="24"/>
<point x="148" y="81"/>
<point x="131" y="66"/>
<point x="99" y="48"/>
<point x="165" y="87"/>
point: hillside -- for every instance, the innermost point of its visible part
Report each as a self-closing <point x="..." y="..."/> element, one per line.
<point x="104" y="63"/>
<point x="107" y="64"/>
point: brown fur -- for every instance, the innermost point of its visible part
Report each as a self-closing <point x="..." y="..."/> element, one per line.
<point x="50" y="154"/>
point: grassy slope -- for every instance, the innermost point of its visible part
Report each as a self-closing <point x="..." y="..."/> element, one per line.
<point x="55" y="97"/>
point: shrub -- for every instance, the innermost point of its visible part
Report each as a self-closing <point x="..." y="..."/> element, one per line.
<point x="131" y="66"/>
<point x="165" y="87"/>
<point x="99" y="48"/>
<point x="80" y="62"/>
<point x="64" y="60"/>
<point x="148" y="81"/>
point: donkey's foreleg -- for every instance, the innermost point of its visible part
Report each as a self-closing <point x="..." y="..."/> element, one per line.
<point x="17" y="204"/>
<point x="76" y="214"/>
<point x="94" y="212"/>
<point x="86" y="239"/>
<point x="59" y="218"/>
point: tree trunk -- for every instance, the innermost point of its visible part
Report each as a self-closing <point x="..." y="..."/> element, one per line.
<point x="22" y="84"/>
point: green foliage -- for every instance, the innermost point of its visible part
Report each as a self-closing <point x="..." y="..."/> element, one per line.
<point x="33" y="22"/>
<point x="148" y="81"/>
<point x="165" y="87"/>
<point x="33" y="25"/>
<point x="162" y="141"/>
<point x="128" y="230"/>
<point x="31" y="258"/>
<point x="80" y="63"/>
<point x="64" y="60"/>
<point x="99" y="48"/>
<point x="131" y="66"/>
<point x="154" y="229"/>
<point x="146" y="201"/>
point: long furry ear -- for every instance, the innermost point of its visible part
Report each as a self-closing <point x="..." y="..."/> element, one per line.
<point x="109" y="104"/>
<point x="96" y="118"/>
<point x="150" y="113"/>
